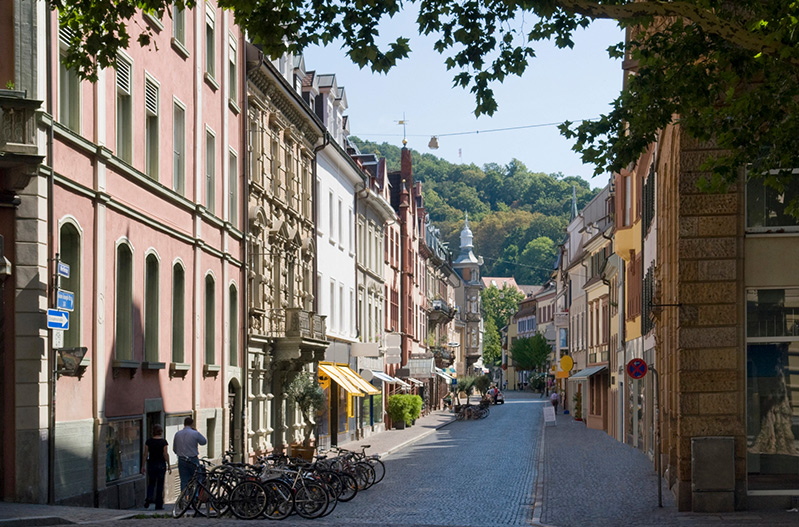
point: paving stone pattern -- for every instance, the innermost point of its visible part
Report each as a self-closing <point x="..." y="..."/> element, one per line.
<point x="590" y="479"/>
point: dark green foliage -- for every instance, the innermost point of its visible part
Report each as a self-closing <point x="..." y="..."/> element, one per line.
<point x="492" y="348"/>
<point x="482" y="383"/>
<point x="531" y="353"/>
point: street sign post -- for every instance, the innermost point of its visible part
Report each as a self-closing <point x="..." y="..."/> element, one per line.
<point x="63" y="269"/>
<point x="637" y="368"/>
<point x="57" y="319"/>
<point x="65" y="300"/>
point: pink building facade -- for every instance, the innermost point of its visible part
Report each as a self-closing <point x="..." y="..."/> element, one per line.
<point x="140" y="194"/>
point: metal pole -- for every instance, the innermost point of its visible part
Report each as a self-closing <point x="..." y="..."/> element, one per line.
<point x="657" y="438"/>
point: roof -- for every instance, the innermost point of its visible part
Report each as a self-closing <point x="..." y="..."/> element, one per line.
<point x="501" y="281"/>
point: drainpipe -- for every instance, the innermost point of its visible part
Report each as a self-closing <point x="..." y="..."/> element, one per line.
<point x="314" y="215"/>
<point x="51" y="362"/>
<point x="245" y="297"/>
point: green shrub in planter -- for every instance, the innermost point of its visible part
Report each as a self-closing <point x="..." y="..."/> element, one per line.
<point x="399" y="409"/>
<point x="415" y="403"/>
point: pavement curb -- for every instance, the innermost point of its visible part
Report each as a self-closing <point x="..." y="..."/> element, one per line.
<point x="414" y="439"/>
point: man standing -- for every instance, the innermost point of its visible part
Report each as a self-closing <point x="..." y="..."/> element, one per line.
<point x="185" y="447"/>
<point x="555" y="399"/>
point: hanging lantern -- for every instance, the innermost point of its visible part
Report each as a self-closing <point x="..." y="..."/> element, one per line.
<point x="433" y="144"/>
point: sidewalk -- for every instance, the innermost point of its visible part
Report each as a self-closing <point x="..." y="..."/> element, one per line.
<point x="383" y="443"/>
<point x="585" y="477"/>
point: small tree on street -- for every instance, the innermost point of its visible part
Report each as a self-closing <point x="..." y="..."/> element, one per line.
<point x="531" y="353"/>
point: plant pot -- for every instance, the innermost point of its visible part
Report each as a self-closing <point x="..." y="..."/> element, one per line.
<point x="303" y="452"/>
<point x="413" y="422"/>
<point x="399" y="425"/>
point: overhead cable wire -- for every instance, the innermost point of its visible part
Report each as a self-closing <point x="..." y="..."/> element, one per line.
<point x="506" y="129"/>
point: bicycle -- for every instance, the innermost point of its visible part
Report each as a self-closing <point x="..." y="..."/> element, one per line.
<point x="206" y="492"/>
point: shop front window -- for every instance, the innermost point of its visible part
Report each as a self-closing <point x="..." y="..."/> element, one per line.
<point x="772" y="372"/>
<point x="123" y="449"/>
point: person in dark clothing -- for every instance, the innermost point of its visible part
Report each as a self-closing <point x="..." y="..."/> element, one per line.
<point x="156" y="456"/>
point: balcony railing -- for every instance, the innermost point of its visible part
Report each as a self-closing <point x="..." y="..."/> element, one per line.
<point x="441" y="312"/>
<point x="18" y="149"/>
<point x="284" y="323"/>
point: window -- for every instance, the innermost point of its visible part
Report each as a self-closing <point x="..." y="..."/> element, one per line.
<point x="233" y="338"/>
<point x="151" y="312"/>
<point x="178" y="317"/>
<point x="210" y="320"/>
<point x="210" y="169"/>
<point x="233" y="84"/>
<point x="233" y="188"/>
<point x="340" y="223"/>
<point x="179" y="25"/>
<point x="69" y="245"/>
<point x="123" y="334"/>
<point x="772" y="385"/>
<point x="331" y="214"/>
<point x="68" y="86"/>
<point x="124" y="78"/>
<point x="151" y="128"/>
<point x="210" y="64"/>
<point x="179" y="149"/>
<point x="766" y="208"/>
<point x="628" y="200"/>
<point x="351" y="227"/>
<point x="123" y="447"/>
<point x="331" y="303"/>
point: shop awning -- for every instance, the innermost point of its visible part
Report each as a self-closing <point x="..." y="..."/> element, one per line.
<point x="361" y="383"/>
<point x="415" y="381"/>
<point x="584" y="374"/>
<point x="421" y="368"/>
<point x="402" y="383"/>
<point x="345" y="377"/>
<point x="384" y="377"/>
<point x="444" y="376"/>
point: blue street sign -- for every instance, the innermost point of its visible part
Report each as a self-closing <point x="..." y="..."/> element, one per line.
<point x="65" y="300"/>
<point x="57" y="319"/>
<point x="63" y="269"/>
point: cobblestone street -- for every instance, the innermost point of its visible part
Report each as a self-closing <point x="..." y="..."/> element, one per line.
<point x="504" y="470"/>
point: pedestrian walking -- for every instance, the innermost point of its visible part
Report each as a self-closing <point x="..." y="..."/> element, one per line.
<point x="156" y="465"/>
<point x="186" y="447"/>
<point x="555" y="400"/>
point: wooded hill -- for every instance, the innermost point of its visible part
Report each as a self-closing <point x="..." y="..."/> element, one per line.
<point x="518" y="217"/>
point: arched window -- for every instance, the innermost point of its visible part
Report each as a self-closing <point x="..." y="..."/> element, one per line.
<point x="69" y="247"/>
<point x="178" y="314"/>
<point x="124" y="303"/>
<point x="233" y="341"/>
<point x="210" y="320"/>
<point x="151" y="311"/>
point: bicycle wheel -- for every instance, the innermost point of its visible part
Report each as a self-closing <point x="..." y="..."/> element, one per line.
<point x="379" y="468"/>
<point x="370" y="473"/>
<point x="185" y="499"/>
<point x="212" y="500"/>
<point x="460" y="416"/>
<point x="280" y="501"/>
<point x="332" y="479"/>
<point x="349" y="487"/>
<point x="310" y="500"/>
<point x="248" y="500"/>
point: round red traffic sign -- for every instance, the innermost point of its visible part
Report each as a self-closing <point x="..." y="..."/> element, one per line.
<point x="637" y="368"/>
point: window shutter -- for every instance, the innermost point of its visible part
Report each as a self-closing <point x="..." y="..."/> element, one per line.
<point x="151" y="98"/>
<point x="123" y="76"/>
<point x="65" y="35"/>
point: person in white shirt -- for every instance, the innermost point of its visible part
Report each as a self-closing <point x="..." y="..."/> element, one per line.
<point x="186" y="447"/>
<point x="555" y="400"/>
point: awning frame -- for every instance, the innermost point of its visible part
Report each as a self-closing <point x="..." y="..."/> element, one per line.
<point x="346" y="377"/>
<point x="588" y="372"/>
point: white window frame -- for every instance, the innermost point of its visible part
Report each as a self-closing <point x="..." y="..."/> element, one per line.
<point x="178" y="149"/>
<point x="69" y="87"/>
<point x="210" y="170"/>
<point x="151" y="318"/>
<point x="210" y="40"/>
<point x="178" y="314"/>
<point x="233" y="71"/>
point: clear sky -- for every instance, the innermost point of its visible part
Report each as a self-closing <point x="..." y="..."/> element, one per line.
<point x="558" y="85"/>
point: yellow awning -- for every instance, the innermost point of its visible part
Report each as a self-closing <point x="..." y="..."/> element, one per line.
<point x="341" y="379"/>
<point x="358" y="381"/>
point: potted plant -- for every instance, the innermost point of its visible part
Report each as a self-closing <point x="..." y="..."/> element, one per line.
<point x="305" y="392"/>
<point x="578" y="406"/>
<point x="415" y="403"/>
<point x="399" y="410"/>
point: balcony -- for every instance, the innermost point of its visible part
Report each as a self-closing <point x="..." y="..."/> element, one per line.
<point x="440" y="312"/>
<point x="443" y="357"/>
<point x="296" y="335"/>
<point x="19" y="154"/>
<point x="472" y="317"/>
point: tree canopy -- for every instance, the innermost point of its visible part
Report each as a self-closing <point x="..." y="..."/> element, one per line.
<point x="531" y="353"/>
<point x="725" y="71"/>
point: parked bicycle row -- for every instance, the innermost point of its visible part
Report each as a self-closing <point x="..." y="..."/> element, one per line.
<point x="472" y="411"/>
<point x="277" y="486"/>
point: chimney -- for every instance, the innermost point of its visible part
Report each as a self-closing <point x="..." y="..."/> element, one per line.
<point x="406" y="167"/>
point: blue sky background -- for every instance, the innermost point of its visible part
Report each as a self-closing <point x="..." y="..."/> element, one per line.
<point x="558" y="85"/>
